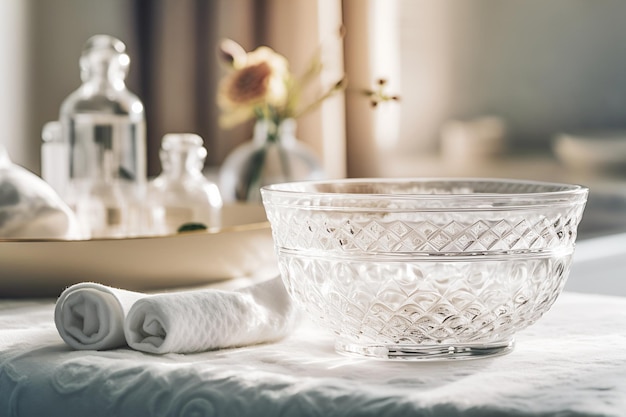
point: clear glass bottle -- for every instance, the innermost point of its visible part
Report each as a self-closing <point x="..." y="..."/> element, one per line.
<point x="181" y="193"/>
<point x="103" y="124"/>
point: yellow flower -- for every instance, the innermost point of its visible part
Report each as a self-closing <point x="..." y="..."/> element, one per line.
<point x="232" y="53"/>
<point x="259" y="79"/>
<point x="260" y="85"/>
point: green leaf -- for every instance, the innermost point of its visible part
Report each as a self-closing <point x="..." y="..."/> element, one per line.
<point x="190" y="227"/>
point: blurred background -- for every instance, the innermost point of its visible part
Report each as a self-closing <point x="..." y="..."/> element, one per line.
<point x="488" y="88"/>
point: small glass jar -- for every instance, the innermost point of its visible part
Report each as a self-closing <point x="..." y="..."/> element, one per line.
<point x="181" y="194"/>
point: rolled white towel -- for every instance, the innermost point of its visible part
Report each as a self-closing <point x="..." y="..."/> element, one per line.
<point x="200" y="320"/>
<point x="90" y="316"/>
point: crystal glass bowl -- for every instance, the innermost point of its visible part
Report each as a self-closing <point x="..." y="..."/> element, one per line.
<point x="424" y="268"/>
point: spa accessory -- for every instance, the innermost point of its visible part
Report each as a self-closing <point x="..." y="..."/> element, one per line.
<point x="94" y="316"/>
<point x="90" y="316"/>
<point x="421" y="269"/>
<point x="29" y="208"/>
<point x="181" y="193"/>
<point x="103" y="126"/>
<point x="195" y="321"/>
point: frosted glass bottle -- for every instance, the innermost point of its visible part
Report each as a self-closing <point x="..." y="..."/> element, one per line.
<point x="103" y="124"/>
<point x="54" y="154"/>
<point x="181" y="193"/>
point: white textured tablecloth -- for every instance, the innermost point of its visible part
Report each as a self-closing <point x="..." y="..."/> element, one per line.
<point x="571" y="363"/>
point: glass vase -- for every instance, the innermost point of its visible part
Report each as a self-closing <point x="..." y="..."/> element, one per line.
<point x="273" y="156"/>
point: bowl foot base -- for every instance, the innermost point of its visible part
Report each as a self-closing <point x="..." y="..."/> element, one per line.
<point x="425" y="352"/>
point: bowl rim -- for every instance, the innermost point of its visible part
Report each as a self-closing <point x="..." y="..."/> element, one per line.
<point x="289" y="188"/>
<point x="557" y="194"/>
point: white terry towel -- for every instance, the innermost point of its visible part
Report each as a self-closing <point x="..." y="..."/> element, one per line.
<point x="200" y="320"/>
<point x="90" y="316"/>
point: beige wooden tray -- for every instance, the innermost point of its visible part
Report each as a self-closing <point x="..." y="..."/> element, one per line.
<point x="242" y="247"/>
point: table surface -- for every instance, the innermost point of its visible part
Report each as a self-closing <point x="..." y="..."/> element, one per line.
<point x="572" y="362"/>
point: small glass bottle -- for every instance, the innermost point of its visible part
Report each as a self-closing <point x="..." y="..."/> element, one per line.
<point x="54" y="153"/>
<point x="181" y="193"/>
<point x="103" y="125"/>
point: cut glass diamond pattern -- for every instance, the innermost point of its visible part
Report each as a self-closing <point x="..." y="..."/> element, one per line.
<point x="486" y="302"/>
<point x="424" y="272"/>
<point x="434" y="232"/>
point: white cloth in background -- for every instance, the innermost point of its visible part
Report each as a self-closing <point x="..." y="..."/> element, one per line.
<point x="30" y="208"/>
<point x="97" y="317"/>
<point x="200" y="320"/>
<point x="90" y="316"/>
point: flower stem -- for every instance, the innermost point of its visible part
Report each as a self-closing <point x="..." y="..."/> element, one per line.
<point x="251" y="179"/>
<point x="284" y="162"/>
